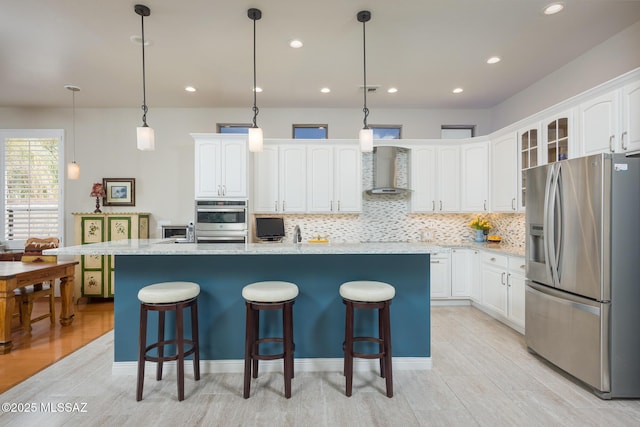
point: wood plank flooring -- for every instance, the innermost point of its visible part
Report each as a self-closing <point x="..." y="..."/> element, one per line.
<point x="49" y="343"/>
<point x="482" y="376"/>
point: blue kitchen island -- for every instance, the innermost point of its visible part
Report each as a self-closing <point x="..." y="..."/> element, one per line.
<point x="222" y="270"/>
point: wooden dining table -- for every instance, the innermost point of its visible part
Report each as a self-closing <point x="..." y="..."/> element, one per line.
<point x="16" y="274"/>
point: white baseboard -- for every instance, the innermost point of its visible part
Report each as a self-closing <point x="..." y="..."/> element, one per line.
<point x="450" y="302"/>
<point x="301" y="365"/>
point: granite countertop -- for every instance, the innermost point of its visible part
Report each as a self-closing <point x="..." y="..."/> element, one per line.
<point x="169" y="247"/>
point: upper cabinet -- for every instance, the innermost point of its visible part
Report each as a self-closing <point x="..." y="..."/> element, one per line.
<point x="608" y="123"/>
<point x="529" y="149"/>
<point x="556" y="132"/>
<point x="599" y="118"/>
<point x="630" y="136"/>
<point x="220" y="166"/>
<point x="280" y="179"/>
<point x="475" y="177"/>
<point x="334" y="179"/>
<point x="435" y="178"/>
<point x="504" y="174"/>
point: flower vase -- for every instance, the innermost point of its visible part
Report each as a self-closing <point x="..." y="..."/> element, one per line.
<point x="479" y="236"/>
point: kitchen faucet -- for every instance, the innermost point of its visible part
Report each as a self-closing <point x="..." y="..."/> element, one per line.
<point x="297" y="235"/>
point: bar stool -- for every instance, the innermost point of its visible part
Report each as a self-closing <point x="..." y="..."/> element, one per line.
<point x="163" y="297"/>
<point x="365" y="294"/>
<point x="269" y="295"/>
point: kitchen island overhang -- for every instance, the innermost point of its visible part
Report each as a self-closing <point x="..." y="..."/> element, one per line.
<point x="318" y="270"/>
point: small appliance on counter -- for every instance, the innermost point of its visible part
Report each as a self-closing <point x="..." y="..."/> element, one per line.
<point x="174" y="231"/>
<point x="269" y="229"/>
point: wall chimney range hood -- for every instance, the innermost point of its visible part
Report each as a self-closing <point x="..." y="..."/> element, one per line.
<point x="385" y="171"/>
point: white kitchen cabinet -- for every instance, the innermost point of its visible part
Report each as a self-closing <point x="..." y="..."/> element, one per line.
<point x="504" y="174"/>
<point x="334" y="182"/>
<point x="280" y="179"/>
<point x="220" y="166"/>
<point x="599" y="120"/>
<point x="503" y="286"/>
<point x="440" y="275"/>
<point x="516" y="290"/>
<point x="557" y="137"/>
<point x="630" y="136"/>
<point x="465" y="272"/>
<point x="475" y="177"/>
<point x="494" y="283"/>
<point x="435" y="179"/>
<point x="529" y="150"/>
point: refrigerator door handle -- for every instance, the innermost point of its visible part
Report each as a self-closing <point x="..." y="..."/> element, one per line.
<point x="559" y="221"/>
<point x="550" y="243"/>
<point x="546" y="222"/>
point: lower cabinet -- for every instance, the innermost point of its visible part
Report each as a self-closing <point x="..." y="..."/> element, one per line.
<point x="503" y="286"/>
<point x="465" y="273"/>
<point x="440" y="275"/>
<point x="95" y="273"/>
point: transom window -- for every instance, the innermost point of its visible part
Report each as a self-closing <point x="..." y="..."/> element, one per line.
<point x="233" y="127"/>
<point x="310" y="131"/>
<point x="386" y="131"/>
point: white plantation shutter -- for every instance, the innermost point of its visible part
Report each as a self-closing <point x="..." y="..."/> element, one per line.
<point x="32" y="193"/>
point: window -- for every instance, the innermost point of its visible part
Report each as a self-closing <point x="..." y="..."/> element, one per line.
<point x="386" y="131"/>
<point x="31" y="193"/>
<point x="310" y="131"/>
<point x="457" y="131"/>
<point x="233" y="127"/>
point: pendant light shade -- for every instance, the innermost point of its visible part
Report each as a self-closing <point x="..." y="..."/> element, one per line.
<point x="255" y="133"/>
<point x="366" y="134"/>
<point x="145" y="134"/>
<point x="73" y="168"/>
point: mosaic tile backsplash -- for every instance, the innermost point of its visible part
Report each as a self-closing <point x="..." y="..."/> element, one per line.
<point x="387" y="218"/>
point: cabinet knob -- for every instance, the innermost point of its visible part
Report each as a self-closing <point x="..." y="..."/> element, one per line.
<point x="492" y="259"/>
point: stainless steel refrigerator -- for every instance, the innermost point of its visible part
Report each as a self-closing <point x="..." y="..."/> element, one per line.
<point x="582" y="303"/>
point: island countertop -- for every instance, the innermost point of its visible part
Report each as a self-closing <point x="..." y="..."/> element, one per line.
<point x="169" y="247"/>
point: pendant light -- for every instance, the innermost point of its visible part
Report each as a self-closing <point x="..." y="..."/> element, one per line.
<point x="146" y="137"/>
<point x="366" y="134"/>
<point x="73" y="168"/>
<point x="255" y="133"/>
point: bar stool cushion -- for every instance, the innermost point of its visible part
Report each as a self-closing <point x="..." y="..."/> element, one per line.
<point x="168" y="292"/>
<point x="367" y="291"/>
<point x="270" y="291"/>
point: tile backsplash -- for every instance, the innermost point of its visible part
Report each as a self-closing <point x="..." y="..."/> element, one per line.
<point x="388" y="218"/>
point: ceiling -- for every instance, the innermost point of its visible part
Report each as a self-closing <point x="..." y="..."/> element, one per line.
<point x="425" y="48"/>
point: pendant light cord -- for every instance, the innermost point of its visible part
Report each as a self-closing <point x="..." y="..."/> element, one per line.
<point x="255" y="104"/>
<point x="365" y="110"/>
<point x="73" y="103"/>
<point x="144" y="82"/>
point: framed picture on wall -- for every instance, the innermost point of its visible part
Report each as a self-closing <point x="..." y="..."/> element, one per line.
<point x="119" y="191"/>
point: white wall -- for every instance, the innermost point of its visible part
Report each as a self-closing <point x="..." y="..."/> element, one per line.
<point x="612" y="58"/>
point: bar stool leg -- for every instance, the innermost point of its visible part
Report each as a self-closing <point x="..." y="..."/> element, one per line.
<point x="256" y="336"/>
<point x="160" y="346"/>
<point x="248" y="349"/>
<point x="142" y="345"/>
<point x="180" y="349"/>
<point x="287" y="322"/>
<point x="348" y="351"/>
<point x="381" y="337"/>
<point x="195" y="337"/>
<point x="387" y="348"/>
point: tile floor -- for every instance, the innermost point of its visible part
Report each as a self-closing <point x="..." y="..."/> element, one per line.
<point x="482" y="375"/>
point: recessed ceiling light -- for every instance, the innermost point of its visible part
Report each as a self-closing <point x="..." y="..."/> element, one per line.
<point x="493" y="60"/>
<point x="325" y="90"/>
<point x="553" y="8"/>
<point x="138" y="40"/>
<point x="295" y="44"/>
<point x="258" y="89"/>
<point x="190" y="89"/>
<point x="458" y="90"/>
<point x="392" y="90"/>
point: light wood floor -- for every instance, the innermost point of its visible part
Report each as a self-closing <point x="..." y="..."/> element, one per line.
<point x="49" y="343"/>
<point x="482" y="376"/>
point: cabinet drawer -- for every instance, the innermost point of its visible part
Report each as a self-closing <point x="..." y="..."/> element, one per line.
<point x="516" y="265"/>
<point x="501" y="261"/>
